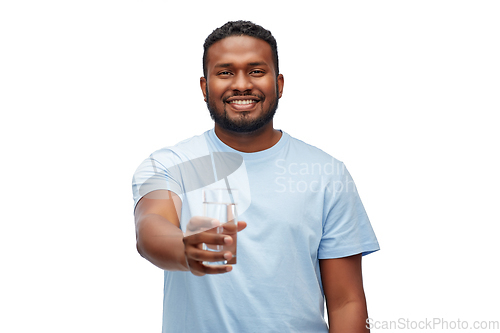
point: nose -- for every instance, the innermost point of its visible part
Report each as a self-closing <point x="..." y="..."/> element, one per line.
<point x="241" y="82"/>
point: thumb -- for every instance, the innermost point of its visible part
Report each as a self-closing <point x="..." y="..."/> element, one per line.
<point x="199" y="224"/>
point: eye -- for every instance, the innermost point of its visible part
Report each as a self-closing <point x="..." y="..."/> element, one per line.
<point x="224" y="73"/>
<point x="257" y="71"/>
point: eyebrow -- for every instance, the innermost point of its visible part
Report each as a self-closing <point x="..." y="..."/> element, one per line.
<point x="257" y="63"/>
<point x="225" y="65"/>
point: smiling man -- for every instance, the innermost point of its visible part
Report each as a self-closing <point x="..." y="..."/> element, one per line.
<point x="304" y="232"/>
<point x="241" y="85"/>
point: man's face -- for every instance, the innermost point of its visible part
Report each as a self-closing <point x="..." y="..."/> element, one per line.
<point x="241" y="88"/>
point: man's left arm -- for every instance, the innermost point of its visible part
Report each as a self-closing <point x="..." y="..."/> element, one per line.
<point x="345" y="297"/>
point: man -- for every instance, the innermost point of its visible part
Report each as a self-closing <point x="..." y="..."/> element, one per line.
<point x="305" y="227"/>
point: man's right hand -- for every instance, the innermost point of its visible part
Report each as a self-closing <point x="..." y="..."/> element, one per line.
<point x="161" y="240"/>
<point x="203" y="230"/>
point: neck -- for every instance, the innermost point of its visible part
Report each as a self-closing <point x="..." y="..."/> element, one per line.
<point x="262" y="139"/>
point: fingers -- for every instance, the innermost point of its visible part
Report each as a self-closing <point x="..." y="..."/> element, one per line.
<point x="203" y="230"/>
<point x="195" y="257"/>
<point x="198" y="269"/>
<point x="208" y="237"/>
<point x="241" y="225"/>
<point x="211" y="256"/>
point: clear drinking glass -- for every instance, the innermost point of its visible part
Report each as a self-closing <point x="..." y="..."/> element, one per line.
<point x="221" y="204"/>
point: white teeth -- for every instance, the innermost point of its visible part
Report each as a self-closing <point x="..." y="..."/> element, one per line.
<point x="247" y="101"/>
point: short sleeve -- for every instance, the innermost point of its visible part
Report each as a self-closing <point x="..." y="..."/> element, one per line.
<point x="157" y="172"/>
<point x="346" y="228"/>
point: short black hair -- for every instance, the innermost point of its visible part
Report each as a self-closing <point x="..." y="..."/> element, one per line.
<point x="240" y="28"/>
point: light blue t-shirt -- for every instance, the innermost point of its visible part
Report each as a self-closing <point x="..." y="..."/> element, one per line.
<point x="300" y="204"/>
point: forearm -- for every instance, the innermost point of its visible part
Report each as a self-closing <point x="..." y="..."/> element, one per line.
<point x="349" y="318"/>
<point x="160" y="242"/>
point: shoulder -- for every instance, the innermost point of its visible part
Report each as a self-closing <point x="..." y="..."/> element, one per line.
<point x="310" y="152"/>
<point x="187" y="149"/>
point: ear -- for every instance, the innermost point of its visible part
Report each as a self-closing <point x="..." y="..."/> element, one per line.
<point x="280" y="82"/>
<point x="203" y="86"/>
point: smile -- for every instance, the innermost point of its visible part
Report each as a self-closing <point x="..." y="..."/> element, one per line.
<point x="241" y="102"/>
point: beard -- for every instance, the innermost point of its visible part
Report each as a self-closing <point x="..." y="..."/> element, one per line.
<point x="242" y="124"/>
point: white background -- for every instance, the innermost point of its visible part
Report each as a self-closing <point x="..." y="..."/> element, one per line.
<point x="404" y="92"/>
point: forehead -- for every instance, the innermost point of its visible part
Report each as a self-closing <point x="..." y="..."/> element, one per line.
<point x="239" y="50"/>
